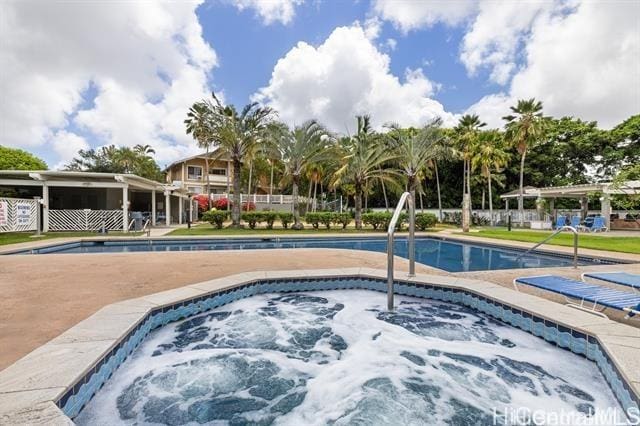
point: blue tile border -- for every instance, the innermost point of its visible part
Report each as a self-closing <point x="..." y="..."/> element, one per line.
<point x="78" y="395"/>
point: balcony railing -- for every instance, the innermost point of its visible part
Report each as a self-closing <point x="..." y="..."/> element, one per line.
<point x="262" y="198"/>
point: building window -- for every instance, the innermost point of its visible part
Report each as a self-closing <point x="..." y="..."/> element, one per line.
<point x="195" y="189"/>
<point x="218" y="172"/>
<point x="194" y="173"/>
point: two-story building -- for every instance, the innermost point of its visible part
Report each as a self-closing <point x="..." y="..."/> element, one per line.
<point x="190" y="174"/>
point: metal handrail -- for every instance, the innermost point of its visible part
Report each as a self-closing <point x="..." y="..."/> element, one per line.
<point x="146" y="228"/>
<point x="559" y="230"/>
<point x="406" y="197"/>
<point x="131" y="223"/>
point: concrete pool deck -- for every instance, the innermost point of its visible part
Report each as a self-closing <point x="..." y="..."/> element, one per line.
<point x="30" y="387"/>
<point x="44" y="295"/>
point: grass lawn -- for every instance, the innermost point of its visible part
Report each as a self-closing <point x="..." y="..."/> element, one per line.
<point x="23" y="237"/>
<point x="207" y="229"/>
<point x="588" y="241"/>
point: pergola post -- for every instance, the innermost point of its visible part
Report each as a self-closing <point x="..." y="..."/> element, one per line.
<point x="125" y="208"/>
<point x="190" y="210"/>
<point x="552" y="209"/>
<point x="584" y="207"/>
<point x="180" y="209"/>
<point x="153" y="208"/>
<point x="167" y="207"/>
<point x="45" y="207"/>
<point x="605" y="203"/>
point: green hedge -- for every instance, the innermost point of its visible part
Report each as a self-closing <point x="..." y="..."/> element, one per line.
<point x="215" y="217"/>
<point x="253" y="218"/>
<point x="425" y="221"/>
<point x="285" y="219"/>
<point x="316" y="219"/>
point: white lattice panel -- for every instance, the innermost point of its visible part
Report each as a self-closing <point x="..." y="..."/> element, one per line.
<point x="17" y="214"/>
<point x="84" y="220"/>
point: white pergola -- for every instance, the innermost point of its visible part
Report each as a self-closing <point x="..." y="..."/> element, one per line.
<point x="125" y="182"/>
<point x="607" y="189"/>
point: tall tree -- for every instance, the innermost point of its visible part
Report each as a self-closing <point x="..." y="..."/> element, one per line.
<point x="524" y="128"/>
<point x="17" y="159"/>
<point x="112" y="159"/>
<point x="489" y="155"/>
<point x="414" y="151"/>
<point x="361" y="161"/>
<point x="238" y="135"/>
<point x="466" y="135"/>
<point x="199" y="127"/>
<point x="299" y="149"/>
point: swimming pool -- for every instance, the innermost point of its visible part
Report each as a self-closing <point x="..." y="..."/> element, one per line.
<point x="449" y="255"/>
<point x="339" y="357"/>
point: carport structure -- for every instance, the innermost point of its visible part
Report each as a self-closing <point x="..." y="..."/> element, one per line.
<point x="75" y="201"/>
<point x="581" y="192"/>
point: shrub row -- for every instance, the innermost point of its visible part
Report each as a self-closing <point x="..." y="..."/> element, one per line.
<point x="381" y="220"/>
<point x="268" y="217"/>
<point x="217" y="218"/>
<point x="327" y="219"/>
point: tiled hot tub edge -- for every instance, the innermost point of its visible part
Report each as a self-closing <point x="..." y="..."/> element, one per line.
<point x="566" y="328"/>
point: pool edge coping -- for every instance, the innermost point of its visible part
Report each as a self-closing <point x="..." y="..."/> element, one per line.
<point x="30" y="386"/>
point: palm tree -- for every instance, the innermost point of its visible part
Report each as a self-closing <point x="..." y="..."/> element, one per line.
<point x="299" y="149"/>
<point x="414" y="150"/>
<point x="361" y="161"/>
<point x="145" y="150"/>
<point x="238" y="136"/>
<point x="198" y="125"/>
<point x="466" y="135"/>
<point x="489" y="154"/>
<point x="524" y="128"/>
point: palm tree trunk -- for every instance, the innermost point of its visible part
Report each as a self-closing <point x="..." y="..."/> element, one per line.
<point x="490" y="200"/>
<point x="358" y="201"/>
<point x="206" y="165"/>
<point x="521" y="194"/>
<point x="315" y="195"/>
<point x="309" y="195"/>
<point x="228" y="186"/>
<point x="482" y="198"/>
<point x="384" y="193"/>
<point x="271" y="186"/>
<point x="249" y="183"/>
<point x="435" y="164"/>
<point x="465" y="199"/>
<point x="421" y="205"/>
<point x="235" y="209"/>
<point x="297" y="224"/>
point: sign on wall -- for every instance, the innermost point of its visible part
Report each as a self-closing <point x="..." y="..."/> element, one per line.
<point x="23" y="214"/>
<point x="18" y="214"/>
<point x="4" y="213"/>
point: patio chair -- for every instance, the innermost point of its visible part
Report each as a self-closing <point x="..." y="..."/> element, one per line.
<point x="562" y="221"/>
<point x="596" y="295"/>
<point x="620" y="278"/>
<point x="598" y="225"/>
<point x="575" y="222"/>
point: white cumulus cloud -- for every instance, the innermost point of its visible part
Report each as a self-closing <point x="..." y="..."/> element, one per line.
<point x="584" y="63"/>
<point x="270" y="11"/>
<point x="345" y="76"/>
<point x="146" y="63"/>
<point x="410" y="15"/>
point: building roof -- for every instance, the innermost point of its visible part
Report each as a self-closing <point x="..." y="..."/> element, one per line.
<point x="213" y="155"/>
<point x="630" y="187"/>
<point x="37" y="177"/>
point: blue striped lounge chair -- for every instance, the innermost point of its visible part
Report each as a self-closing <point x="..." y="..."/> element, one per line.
<point x="585" y="294"/>
<point x="598" y="225"/>
<point x="620" y="278"/>
<point x="562" y="221"/>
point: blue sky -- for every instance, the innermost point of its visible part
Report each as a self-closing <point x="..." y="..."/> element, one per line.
<point x="81" y="75"/>
<point x="248" y="49"/>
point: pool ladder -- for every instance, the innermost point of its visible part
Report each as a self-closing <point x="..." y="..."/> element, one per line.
<point x="408" y="199"/>
<point x="559" y="230"/>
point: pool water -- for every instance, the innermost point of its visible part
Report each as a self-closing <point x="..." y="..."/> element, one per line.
<point x="340" y="358"/>
<point x="450" y="256"/>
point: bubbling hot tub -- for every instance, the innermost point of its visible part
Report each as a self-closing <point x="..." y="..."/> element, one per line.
<point x="339" y="357"/>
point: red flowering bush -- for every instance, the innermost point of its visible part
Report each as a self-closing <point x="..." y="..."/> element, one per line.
<point x="221" y="203"/>
<point x="203" y="202"/>
<point x="248" y="206"/>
